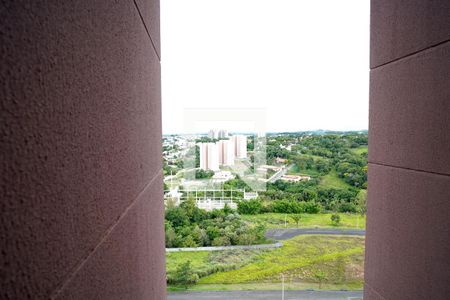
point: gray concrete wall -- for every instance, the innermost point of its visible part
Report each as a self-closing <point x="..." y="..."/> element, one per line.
<point x="81" y="183"/>
<point x="408" y="223"/>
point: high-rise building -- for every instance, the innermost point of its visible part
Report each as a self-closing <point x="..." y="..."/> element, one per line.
<point x="209" y="156"/>
<point x="240" y="145"/>
<point x="226" y="152"/>
<point x="203" y="147"/>
<point x="222" y="134"/>
<point x="217" y="134"/>
<point x="212" y="134"/>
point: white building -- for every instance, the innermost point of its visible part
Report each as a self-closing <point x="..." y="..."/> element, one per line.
<point x="173" y="195"/>
<point x="209" y="205"/>
<point x="240" y="145"/>
<point x="226" y="152"/>
<point x="222" y="176"/>
<point x="212" y="134"/>
<point x="250" y="195"/>
<point x="217" y="134"/>
<point x="209" y="156"/>
<point x="222" y="134"/>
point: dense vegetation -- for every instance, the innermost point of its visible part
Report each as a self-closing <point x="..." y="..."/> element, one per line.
<point x="202" y="174"/>
<point x="189" y="226"/>
<point x="337" y="164"/>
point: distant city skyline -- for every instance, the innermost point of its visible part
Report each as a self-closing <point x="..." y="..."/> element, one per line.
<point x="205" y="133"/>
<point x="305" y="62"/>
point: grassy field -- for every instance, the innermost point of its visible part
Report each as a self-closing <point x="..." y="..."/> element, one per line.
<point x="199" y="260"/>
<point x="204" y="263"/>
<point x="332" y="180"/>
<point x="339" y="260"/>
<point x="275" y="220"/>
<point x="360" y="150"/>
<point x="295" y="170"/>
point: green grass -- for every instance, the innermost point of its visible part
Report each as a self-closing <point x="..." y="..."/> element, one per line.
<point x="276" y="220"/>
<point x="204" y="263"/>
<point x="198" y="260"/>
<point x="339" y="258"/>
<point x="295" y="170"/>
<point x="360" y="150"/>
<point x="332" y="180"/>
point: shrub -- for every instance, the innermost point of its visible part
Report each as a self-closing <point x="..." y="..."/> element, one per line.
<point x="335" y="219"/>
<point x="312" y="207"/>
<point x="287" y="207"/>
<point x="296" y="219"/>
<point x="347" y="207"/>
<point x="189" y="242"/>
<point x="184" y="275"/>
<point x="251" y="207"/>
<point x="221" y="241"/>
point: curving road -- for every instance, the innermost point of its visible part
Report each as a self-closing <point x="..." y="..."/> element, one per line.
<point x="267" y="295"/>
<point x="280" y="234"/>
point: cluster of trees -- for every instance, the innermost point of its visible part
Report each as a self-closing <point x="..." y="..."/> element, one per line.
<point x="302" y="162"/>
<point x="330" y="199"/>
<point x="203" y="174"/>
<point x="189" y="226"/>
<point x="256" y="206"/>
<point x="353" y="169"/>
<point x="300" y="197"/>
<point x="322" y="153"/>
<point x="172" y="168"/>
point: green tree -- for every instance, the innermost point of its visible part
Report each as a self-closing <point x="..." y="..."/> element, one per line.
<point x="227" y="209"/>
<point x="246" y="239"/>
<point x="320" y="277"/>
<point x="177" y="216"/>
<point x="170" y="235"/>
<point x="189" y="242"/>
<point x="221" y="241"/>
<point x="296" y="218"/>
<point x="335" y="219"/>
<point x="250" y="207"/>
<point x="185" y="276"/>
<point x="362" y="202"/>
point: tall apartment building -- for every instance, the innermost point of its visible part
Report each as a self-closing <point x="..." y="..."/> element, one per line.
<point x="222" y="134"/>
<point x="217" y="134"/>
<point x="240" y="145"/>
<point x="209" y="156"/>
<point x="212" y="134"/>
<point x="226" y="151"/>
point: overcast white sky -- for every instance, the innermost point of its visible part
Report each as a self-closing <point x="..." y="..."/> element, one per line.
<point x="305" y="62"/>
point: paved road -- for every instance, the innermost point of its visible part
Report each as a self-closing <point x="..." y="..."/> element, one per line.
<point x="218" y="248"/>
<point x="267" y="295"/>
<point x="284" y="234"/>
<point x="279" y="174"/>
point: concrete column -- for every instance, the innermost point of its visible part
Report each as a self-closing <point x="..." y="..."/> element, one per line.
<point x="408" y="222"/>
<point x="81" y="182"/>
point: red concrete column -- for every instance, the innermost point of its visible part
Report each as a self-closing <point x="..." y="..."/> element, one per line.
<point x="81" y="183"/>
<point x="408" y="222"/>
